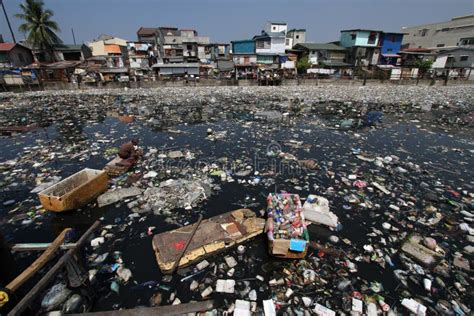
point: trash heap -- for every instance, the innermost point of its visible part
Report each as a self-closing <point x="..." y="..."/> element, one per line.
<point x="391" y="203"/>
<point x="286" y="227"/>
<point x="173" y="194"/>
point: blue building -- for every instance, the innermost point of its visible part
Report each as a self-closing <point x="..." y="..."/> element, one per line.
<point x="244" y="57"/>
<point x="390" y="45"/>
<point x="362" y="46"/>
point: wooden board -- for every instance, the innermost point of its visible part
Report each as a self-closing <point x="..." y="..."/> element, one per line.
<point x="213" y="235"/>
<point x="38" y="263"/>
<point x="180" y="309"/>
<point x="118" y="166"/>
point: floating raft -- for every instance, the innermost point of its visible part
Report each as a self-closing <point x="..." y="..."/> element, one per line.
<point x="118" y="166"/>
<point x="213" y="235"/>
<point x="9" y="130"/>
<point x="74" y="191"/>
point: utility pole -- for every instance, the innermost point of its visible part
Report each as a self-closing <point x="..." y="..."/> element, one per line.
<point x="73" y="36"/>
<point x="8" y="21"/>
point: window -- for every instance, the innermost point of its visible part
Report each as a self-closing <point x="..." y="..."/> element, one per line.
<point x="393" y="38"/>
<point x="287" y="41"/>
<point x="464" y="58"/>
<point x="274" y="28"/>
<point x="21" y="58"/>
<point x="445" y="29"/>
<point x="423" y="32"/>
<point x="353" y="36"/>
<point x="372" y="38"/>
<point x="260" y="44"/>
<point x="297" y="37"/>
<point x="440" y="45"/>
<point x="389" y="49"/>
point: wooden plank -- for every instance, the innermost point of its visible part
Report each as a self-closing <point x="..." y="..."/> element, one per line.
<point x="39" y="246"/>
<point x="186" y="245"/>
<point x="38" y="263"/>
<point x="159" y="310"/>
<point x="48" y="277"/>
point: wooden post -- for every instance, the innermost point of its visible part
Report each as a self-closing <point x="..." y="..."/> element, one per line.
<point x="46" y="279"/>
<point x="38" y="263"/>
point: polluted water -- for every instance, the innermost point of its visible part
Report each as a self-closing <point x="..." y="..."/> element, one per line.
<point x="383" y="176"/>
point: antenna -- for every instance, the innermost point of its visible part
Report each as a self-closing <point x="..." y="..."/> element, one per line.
<point x="73" y="36"/>
<point x="8" y="21"/>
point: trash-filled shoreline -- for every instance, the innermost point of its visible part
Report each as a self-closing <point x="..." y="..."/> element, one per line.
<point x="366" y="194"/>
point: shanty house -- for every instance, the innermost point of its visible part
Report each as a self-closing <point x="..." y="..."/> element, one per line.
<point x="14" y="55"/>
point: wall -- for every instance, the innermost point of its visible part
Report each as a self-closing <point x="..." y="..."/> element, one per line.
<point x="98" y="48"/>
<point x="444" y="33"/>
<point x="14" y="58"/>
<point x="243" y="47"/>
<point x="277" y="45"/>
<point x="362" y="39"/>
<point x="346" y="40"/>
<point x="276" y="27"/>
<point x="391" y="43"/>
<point x="239" y="59"/>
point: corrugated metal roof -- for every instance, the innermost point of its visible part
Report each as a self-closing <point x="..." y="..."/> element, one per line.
<point x="180" y="65"/>
<point x="112" y="49"/>
<point x="147" y="30"/>
<point x="319" y="46"/>
<point x="65" y="47"/>
<point x="335" y="63"/>
<point x="6" y="47"/>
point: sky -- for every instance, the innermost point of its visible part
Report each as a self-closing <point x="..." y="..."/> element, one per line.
<point x="227" y="20"/>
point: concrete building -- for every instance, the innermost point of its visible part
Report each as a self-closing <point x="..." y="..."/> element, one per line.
<point x="439" y="35"/>
<point x="64" y="52"/>
<point x="140" y="57"/>
<point x="276" y="27"/>
<point x="244" y="58"/>
<point x="295" y="36"/>
<point x="322" y="54"/>
<point x="390" y="45"/>
<point x="13" y="55"/>
<point x="147" y="34"/>
<point x="458" y="61"/>
<point x="176" y="46"/>
<point x="99" y="46"/>
<point x="363" y="46"/>
<point x="270" y="43"/>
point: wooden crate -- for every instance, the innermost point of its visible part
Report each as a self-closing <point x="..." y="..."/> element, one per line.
<point x="74" y="191"/>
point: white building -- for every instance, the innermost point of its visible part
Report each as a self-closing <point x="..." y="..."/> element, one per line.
<point x="276" y="27"/>
<point x="295" y="36"/>
<point x="439" y="35"/>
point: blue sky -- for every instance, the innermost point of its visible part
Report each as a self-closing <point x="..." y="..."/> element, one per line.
<point x="227" y="20"/>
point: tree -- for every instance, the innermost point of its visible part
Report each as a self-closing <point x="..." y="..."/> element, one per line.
<point x="303" y="64"/>
<point x="423" y="65"/>
<point x="38" y="25"/>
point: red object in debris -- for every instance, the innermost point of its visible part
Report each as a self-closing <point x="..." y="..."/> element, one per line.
<point x="454" y="193"/>
<point x="179" y="245"/>
<point x="321" y="253"/>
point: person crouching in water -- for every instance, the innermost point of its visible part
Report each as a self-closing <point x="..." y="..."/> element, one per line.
<point x="130" y="151"/>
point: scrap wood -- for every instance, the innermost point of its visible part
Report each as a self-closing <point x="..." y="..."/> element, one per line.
<point x="176" y="263"/>
<point x="38" y="263"/>
<point x="159" y="310"/>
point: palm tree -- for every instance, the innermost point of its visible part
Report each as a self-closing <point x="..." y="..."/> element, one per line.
<point x="39" y="26"/>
